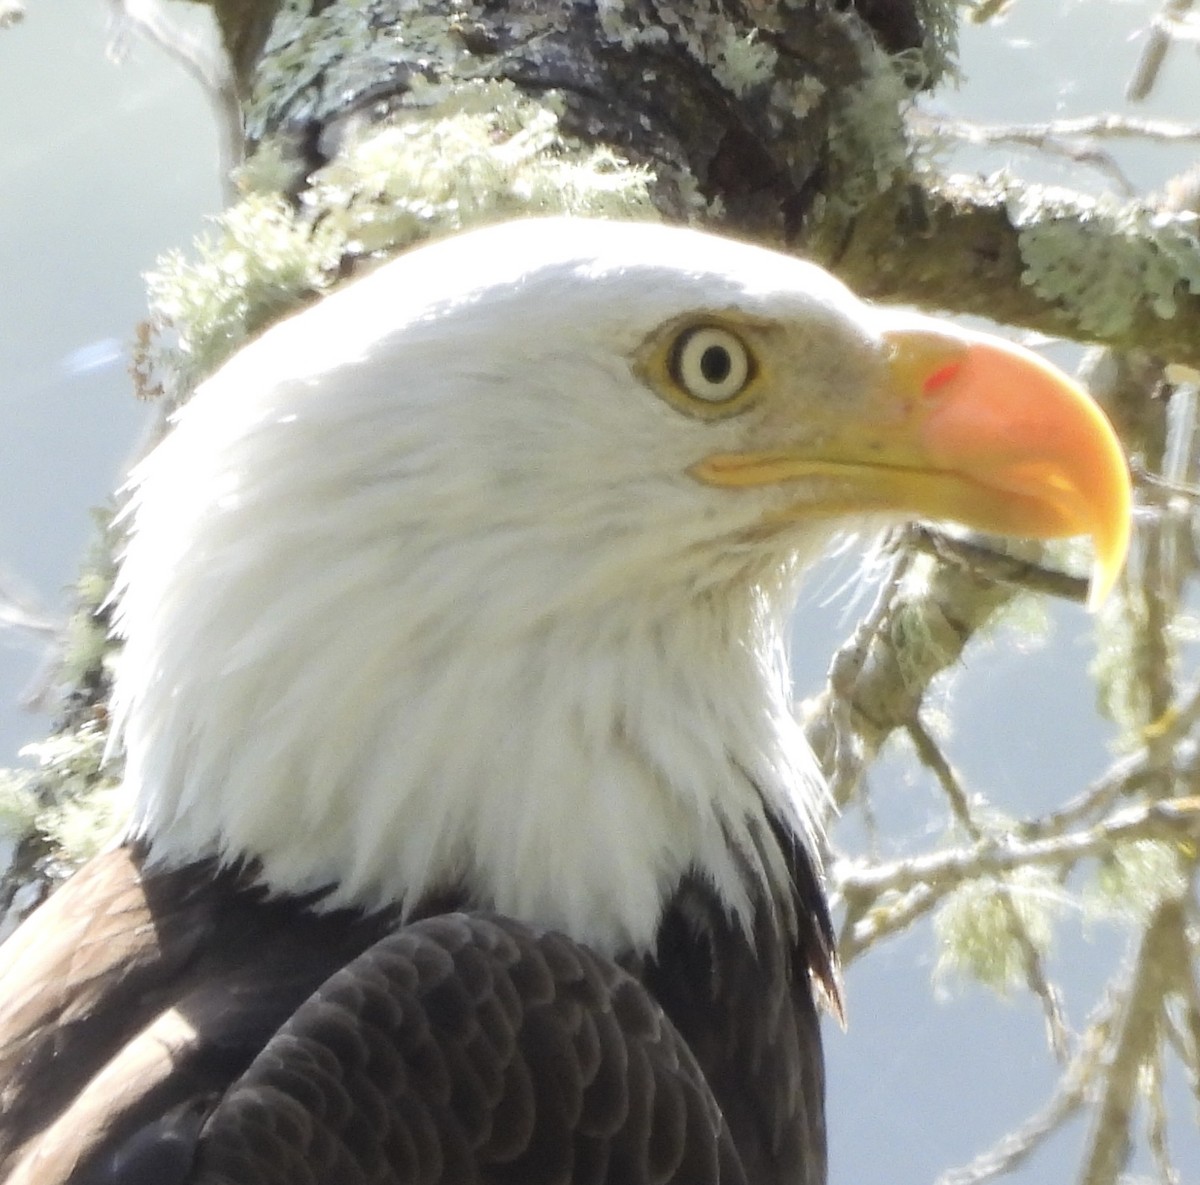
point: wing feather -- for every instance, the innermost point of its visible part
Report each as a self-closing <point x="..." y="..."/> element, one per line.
<point x="471" y="1048"/>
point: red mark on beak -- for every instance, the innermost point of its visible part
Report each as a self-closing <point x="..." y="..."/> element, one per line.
<point x="940" y="377"/>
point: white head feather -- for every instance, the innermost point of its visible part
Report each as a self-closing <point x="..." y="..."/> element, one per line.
<point x="419" y="590"/>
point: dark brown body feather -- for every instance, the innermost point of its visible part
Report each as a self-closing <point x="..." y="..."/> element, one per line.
<point x="172" y="1027"/>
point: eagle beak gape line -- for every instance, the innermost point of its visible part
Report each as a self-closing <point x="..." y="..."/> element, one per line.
<point x="967" y="428"/>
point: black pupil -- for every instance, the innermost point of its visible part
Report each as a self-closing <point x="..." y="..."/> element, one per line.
<point x="715" y="364"/>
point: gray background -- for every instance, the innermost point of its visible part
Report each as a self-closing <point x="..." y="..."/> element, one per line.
<point x="104" y="167"/>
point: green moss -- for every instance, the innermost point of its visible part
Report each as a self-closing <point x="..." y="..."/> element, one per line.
<point x="259" y="261"/>
<point x="1133" y="880"/>
<point x="625" y="23"/>
<point x="975" y="931"/>
<point x="65" y="801"/>
<point x="939" y="19"/>
<point x="80" y="827"/>
<point x="468" y="154"/>
<point x="67" y="798"/>
<point x="1103" y="261"/>
<point x="743" y="62"/>
<point x="18" y="803"/>
<point x="458" y="156"/>
<point x="922" y="641"/>
<point x="273" y="168"/>
<point x="1021" y="625"/>
<point x="868" y="144"/>
<point x="86" y="646"/>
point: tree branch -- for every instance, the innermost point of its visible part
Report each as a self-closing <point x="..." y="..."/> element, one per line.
<point x="924" y="617"/>
<point x="150" y="20"/>
<point x="1145" y="73"/>
<point x="1127" y="276"/>
<point x="1070" y="1096"/>
<point x="1172" y="820"/>
<point x="1108" y="126"/>
<point x="1036" y="979"/>
<point x="1154" y="976"/>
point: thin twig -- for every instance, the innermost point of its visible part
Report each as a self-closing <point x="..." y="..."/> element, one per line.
<point x="1121" y="779"/>
<point x="832" y="733"/>
<point x="885" y="899"/>
<point x="19" y="613"/>
<point x="1127" y="775"/>
<point x="1169" y="489"/>
<point x="149" y="20"/>
<point x="1044" y="138"/>
<point x="998" y="565"/>
<point x="1068" y="1099"/>
<point x="1107" y="126"/>
<point x="1145" y="73"/>
<point x="1169" y="819"/>
<point x="1189" y="992"/>
<point x="1036" y="979"/>
<point x="868" y="921"/>
<point x="932" y="757"/>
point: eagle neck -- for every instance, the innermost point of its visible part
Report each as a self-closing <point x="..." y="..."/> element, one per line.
<point x="569" y="771"/>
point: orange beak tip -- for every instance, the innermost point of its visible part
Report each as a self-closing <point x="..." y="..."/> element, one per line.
<point x="1110" y="553"/>
<point x="1004" y="416"/>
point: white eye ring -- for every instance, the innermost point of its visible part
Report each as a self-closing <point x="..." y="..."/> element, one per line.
<point x="711" y="364"/>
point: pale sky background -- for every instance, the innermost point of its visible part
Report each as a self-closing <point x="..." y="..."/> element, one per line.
<point x="105" y="167"/>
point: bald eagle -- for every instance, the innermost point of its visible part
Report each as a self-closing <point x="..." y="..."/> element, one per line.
<point x="471" y="837"/>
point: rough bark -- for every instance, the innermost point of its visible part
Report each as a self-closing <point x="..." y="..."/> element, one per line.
<point x="781" y="121"/>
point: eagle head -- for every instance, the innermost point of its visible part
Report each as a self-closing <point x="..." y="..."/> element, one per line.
<point x="475" y="572"/>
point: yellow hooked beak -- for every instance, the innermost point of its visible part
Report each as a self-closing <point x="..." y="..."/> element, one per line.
<point x="966" y="428"/>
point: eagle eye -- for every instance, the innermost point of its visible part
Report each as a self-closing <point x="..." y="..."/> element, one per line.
<point x="711" y="364"/>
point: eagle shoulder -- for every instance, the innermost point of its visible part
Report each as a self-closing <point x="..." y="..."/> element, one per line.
<point x="471" y="1047"/>
<point x="134" y="994"/>
<point x="182" y="1027"/>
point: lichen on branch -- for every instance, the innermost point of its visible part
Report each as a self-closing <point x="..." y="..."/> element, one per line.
<point x="1122" y="274"/>
<point x="454" y="157"/>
